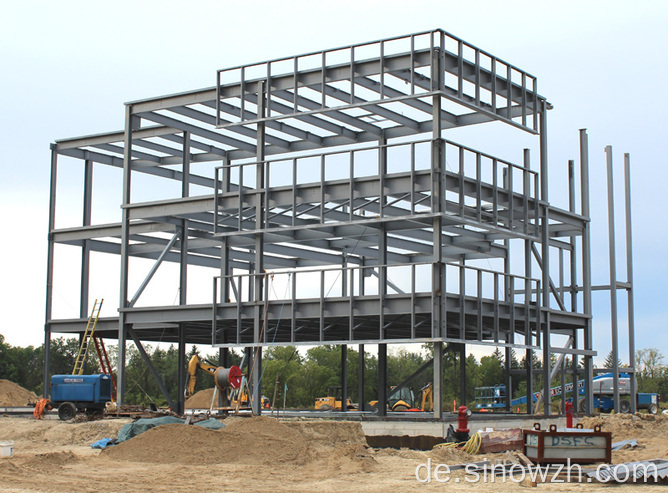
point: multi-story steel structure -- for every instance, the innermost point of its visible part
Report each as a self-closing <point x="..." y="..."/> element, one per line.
<point x="325" y="195"/>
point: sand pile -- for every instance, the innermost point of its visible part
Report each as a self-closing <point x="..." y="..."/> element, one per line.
<point x="259" y="440"/>
<point x="13" y="395"/>
<point x="626" y="426"/>
<point x="201" y="400"/>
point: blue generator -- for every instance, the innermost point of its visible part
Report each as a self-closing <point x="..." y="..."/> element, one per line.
<point x="74" y="393"/>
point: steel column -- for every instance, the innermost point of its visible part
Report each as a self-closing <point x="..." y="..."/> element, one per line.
<point x="382" y="380"/>
<point x="462" y="375"/>
<point x="586" y="269"/>
<point x="344" y="377"/>
<point x="259" y="280"/>
<point x="613" y="277"/>
<point x="545" y="254"/>
<point x="49" y="272"/>
<point x="131" y="124"/>
<point x="360" y="376"/>
<point x="85" y="249"/>
<point x="629" y="279"/>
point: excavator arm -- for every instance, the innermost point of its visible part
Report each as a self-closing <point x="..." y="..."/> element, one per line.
<point x="223" y="377"/>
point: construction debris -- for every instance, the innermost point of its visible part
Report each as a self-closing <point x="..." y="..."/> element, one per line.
<point x="625" y="444"/>
<point x="500" y="440"/>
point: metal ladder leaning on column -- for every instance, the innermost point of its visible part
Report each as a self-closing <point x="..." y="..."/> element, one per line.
<point x="80" y="362"/>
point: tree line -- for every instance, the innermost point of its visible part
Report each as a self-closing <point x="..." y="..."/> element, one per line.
<point x="298" y="377"/>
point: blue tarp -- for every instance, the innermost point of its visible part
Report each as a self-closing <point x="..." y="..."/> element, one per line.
<point x="104" y="443"/>
<point x="141" y="425"/>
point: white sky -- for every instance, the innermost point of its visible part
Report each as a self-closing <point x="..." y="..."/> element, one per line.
<point x="67" y="68"/>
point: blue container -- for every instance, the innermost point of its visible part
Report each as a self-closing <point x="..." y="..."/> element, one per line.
<point x="84" y="390"/>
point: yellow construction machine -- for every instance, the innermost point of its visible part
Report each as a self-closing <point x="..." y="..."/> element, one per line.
<point x="333" y="400"/>
<point x="229" y="381"/>
<point x="404" y="399"/>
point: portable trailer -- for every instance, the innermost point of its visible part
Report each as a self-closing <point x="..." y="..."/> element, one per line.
<point x="80" y="393"/>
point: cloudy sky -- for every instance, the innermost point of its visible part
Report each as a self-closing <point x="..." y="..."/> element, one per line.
<point x="68" y="67"/>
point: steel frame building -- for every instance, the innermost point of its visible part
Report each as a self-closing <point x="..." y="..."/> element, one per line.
<point x="331" y="174"/>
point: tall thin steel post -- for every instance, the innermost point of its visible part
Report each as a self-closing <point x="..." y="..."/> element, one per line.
<point x="183" y="274"/>
<point x="545" y="240"/>
<point x="507" y="377"/>
<point x="344" y="377"/>
<point x="527" y="274"/>
<point x="506" y="292"/>
<point x="586" y="270"/>
<point x="613" y="277"/>
<point x="382" y="380"/>
<point x="360" y="377"/>
<point x="462" y="375"/>
<point x="259" y="280"/>
<point x="131" y="123"/>
<point x="629" y="280"/>
<point x="573" y="283"/>
<point x="85" y="249"/>
<point x="439" y="316"/>
<point x="49" y="271"/>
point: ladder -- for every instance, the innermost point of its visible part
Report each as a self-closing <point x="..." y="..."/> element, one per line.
<point x="80" y="362"/>
<point x="103" y="357"/>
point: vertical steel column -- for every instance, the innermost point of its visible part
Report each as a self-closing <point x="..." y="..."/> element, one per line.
<point x="131" y="123"/>
<point x="438" y="380"/>
<point x="527" y="274"/>
<point x="49" y="271"/>
<point x="382" y="380"/>
<point x="629" y="279"/>
<point x="344" y="377"/>
<point x="85" y="249"/>
<point x="573" y="285"/>
<point x="507" y="375"/>
<point x="382" y="237"/>
<point x="439" y="314"/>
<point x="462" y="375"/>
<point x="586" y="270"/>
<point x="545" y="240"/>
<point x="260" y="212"/>
<point x="613" y="277"/>
<point x="360" y="376"/>
<point x="183" y="275"/>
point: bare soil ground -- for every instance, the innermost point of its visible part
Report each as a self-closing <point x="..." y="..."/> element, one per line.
<point x="255" y="454"/>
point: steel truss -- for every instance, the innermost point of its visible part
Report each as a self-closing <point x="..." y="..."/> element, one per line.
<point x="331" y="175"/>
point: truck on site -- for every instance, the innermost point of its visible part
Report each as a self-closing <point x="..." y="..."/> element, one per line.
<point x="494" y="398"/>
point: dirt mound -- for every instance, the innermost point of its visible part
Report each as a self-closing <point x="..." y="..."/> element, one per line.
<point x="259" y="440"/>
<point x="56" y="432"/>
<point x="626" y="426"/>
<point x="323" y="434"/>
<point x="255" y="441"/>
<point x="13" y="395"/>
<point x="51" y="460"/>
<point x="201" y="400"/>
